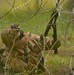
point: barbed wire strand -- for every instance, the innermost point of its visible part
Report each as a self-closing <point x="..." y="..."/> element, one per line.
<point x="8" y="56"/>
<point x="70" y="65"/>
<point x="29" y="18"/>
<point x="32" y="15"/>
<point x="8" y="11"/>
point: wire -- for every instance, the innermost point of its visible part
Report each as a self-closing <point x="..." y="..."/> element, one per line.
<point x="8" y="11"/>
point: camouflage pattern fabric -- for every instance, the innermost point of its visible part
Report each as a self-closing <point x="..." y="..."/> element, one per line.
<point x="25" y="53"/>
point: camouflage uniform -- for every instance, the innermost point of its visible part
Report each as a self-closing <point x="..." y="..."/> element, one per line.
<point x="25" y="52"/>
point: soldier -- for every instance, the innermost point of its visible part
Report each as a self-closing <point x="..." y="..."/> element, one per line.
<point x="23" y="50"/>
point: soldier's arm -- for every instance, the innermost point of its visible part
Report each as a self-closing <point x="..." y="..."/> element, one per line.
<point x="49" y="43"/>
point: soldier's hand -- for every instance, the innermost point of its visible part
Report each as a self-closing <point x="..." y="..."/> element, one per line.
<point x="56" y="44"/>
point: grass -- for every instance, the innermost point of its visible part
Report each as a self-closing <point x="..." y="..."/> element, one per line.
<point x="60" y="64"/>
<point x="56" y="64"/>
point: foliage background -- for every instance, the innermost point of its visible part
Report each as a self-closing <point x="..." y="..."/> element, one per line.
<point x="56" y="64"/>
